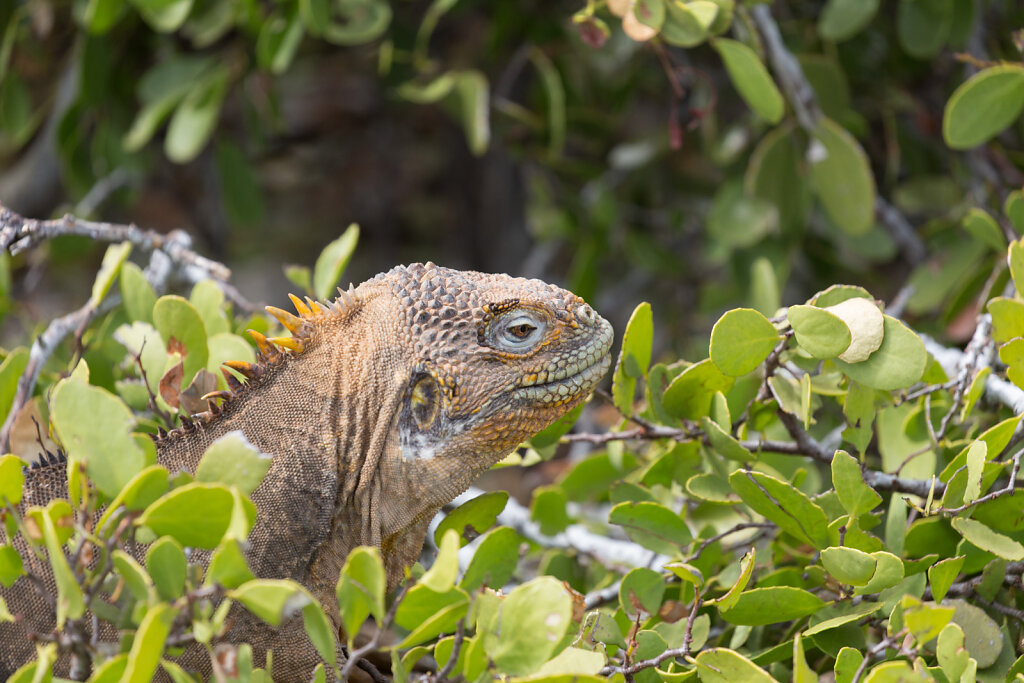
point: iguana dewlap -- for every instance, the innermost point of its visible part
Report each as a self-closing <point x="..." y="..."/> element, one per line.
<point x="379" y="409"/>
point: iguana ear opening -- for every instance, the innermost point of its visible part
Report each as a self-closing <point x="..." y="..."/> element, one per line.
<point x="425" y="401"/>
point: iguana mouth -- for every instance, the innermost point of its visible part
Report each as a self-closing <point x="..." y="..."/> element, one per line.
<point x="573" y="376"/>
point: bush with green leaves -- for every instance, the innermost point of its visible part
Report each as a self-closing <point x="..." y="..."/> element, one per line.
<point x="815" y="490"/>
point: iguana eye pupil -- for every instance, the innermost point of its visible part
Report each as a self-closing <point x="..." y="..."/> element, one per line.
<point x="424" y="402"/>
<point x="522" y="331"/>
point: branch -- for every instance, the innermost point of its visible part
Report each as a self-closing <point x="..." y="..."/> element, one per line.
<point x="18" y="233"/>
<point x="996" y="388"/>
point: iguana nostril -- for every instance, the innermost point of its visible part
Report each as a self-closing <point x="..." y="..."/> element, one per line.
<point x="585" y="314"/>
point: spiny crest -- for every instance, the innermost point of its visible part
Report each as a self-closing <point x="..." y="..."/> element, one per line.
<point x="269" y="355"/>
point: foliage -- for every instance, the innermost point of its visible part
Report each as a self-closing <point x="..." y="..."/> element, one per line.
<point x="794" y="492"/>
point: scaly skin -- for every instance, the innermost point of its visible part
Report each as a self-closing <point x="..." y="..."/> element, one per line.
<point x="383" y="406"/>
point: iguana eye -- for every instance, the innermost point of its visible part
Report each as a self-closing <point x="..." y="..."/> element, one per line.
<point x="424" y="402"/>
<point x="517" y="331"/>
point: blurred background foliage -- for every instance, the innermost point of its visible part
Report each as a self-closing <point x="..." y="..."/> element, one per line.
<point x="630" y="151"/>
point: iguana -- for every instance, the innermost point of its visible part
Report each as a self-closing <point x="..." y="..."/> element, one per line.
<point x="380" y="408"/>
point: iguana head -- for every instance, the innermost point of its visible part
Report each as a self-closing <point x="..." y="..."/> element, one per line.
<point x="495" y="359"/>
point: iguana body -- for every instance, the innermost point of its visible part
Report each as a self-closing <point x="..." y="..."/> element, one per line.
<point x="384" y="406"/>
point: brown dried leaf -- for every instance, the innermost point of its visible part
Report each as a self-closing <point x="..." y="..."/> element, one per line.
<point x="672" y="611"/>
<point x="170" y="383"/>
<point x="204" y="383"/>
<point x="28" y="427"/>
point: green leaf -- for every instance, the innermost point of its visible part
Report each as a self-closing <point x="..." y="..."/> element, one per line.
<point x="982" y="636"/>
<point x="271" y="599"/>
<point x="942" y="574"/>
<point x="136" y="293"/>
<point x="101" y="15"/>
<point x="208" y="300"/>
<point x="889" y="571"/>
<point x="689" y="394"/>
<point x="976" y="458"/>
<point x="842" y="179"/>
<point x="848" y="565"/>
<point x="10" y="372"/>
<point x="530" y="626"/>
<point x="472" y="94"/>
<point x="855" y="496"/>
<point x="94" y="426"/>
<point x="228" y="566"/>
<point x="148" y="644"/>
<point x="950" y="652"/>
<point x="842" y="19"/>
<point x="984" y="229"/>
<point x="113" y="259"/>
<point x="161" y="89"/>
<point x="442" y="574"/>
<point x="278" y="41"/>
<point x="1007" y="318"/>
<point x="320" y="631"/>
<point x="360" y="589"/>
<point x="732" y="596"/>
<point x="782" y="503"/>
<point x="741" y="340"/>
<point x="897" y="364"/>
<point x="923" y="27"/>
<point x="70" y="601"/>
<point x="364" y="21"/>
<point x="165" y="562"/>
<point x="195" y="117"/>
<point x="140" y="491"/>
<point x="641" y="590"/>
<point x="11" y="565"/>
<point x="827" y="618"/>
<point x="985" y="538"/>
<point x="983" y="106"/>
<point x="331" y="262"/>
<point x="165" y="16"/>
<point x="494" y="561"/>
<point x="634" y="358"/>
<point x="548" y="509"/>
<point x="760" y="606"/>
<point x="821" y="333"/>
<point x="652" y="525"/>
<point x="233" y="461"/>
<point x="847" y="664"/>
<point x="473" y="517"/>
<point x="12" y="479"/>
<point x="136" y="578"/>
<point x="687" y="24"/>
<point x="775" y="173"/>
<point x="177" y="319"/>
<point x="196" y="514"/>
<point x="720" y="665"/>
<point x="554" y="91"/>
<point x="428" y="613"/>
<point x="724" y="443"/>
<point x="751" y="79"/>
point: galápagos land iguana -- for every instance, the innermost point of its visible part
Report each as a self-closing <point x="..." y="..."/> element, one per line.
<point x="380" y="408"/>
